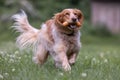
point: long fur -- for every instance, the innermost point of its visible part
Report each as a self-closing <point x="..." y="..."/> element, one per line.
<point x="55" y="39"/>
<point x="28" y="34"/>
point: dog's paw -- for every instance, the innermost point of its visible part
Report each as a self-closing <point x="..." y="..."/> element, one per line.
<point x="71" y="61"/>
<point x="66" y="67"/>
<point x="37" y="61"/>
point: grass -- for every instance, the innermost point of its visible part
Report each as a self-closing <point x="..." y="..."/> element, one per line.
<point x="99" y="59"/>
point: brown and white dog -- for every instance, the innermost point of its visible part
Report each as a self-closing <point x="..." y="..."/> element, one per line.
<point x="59" y="37"/>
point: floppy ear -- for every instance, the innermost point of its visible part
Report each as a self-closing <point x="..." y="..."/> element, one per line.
<point x="58" y="18"/>
<point x="80" y="16"/>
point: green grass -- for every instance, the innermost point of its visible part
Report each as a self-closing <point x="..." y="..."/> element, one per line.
<point x="99" y="59"/>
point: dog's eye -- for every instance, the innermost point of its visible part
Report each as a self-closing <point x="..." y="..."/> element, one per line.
<point x="75" y="13"/>
<point x="67" y="14"/>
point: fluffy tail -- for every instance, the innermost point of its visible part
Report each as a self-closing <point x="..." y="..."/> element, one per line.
<point x="28" y="34"/>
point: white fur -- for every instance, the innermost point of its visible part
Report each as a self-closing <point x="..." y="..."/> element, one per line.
<point x="28" y="33"/>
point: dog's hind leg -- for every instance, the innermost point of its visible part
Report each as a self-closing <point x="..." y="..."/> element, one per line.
<point x="40" y="55"/>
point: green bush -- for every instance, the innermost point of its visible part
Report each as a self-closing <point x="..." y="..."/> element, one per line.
<point x="98" y="30"/>
<point x="101" y="31"/>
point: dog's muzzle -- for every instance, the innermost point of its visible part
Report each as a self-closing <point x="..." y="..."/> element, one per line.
<point x="72" y="26"/>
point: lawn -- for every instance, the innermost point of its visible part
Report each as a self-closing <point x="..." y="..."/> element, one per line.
<point x="99" y="59"/>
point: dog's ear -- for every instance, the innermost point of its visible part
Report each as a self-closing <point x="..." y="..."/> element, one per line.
<point x="59" y="18"/>
<point x="80" y="16"/>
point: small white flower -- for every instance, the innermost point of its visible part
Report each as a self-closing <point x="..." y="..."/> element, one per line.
<point x="11" y="61"/>
<point x="105" y="61"/>
<point x="13" y="69"/>
<point x="16" y="52"/>
<point x="61" y="74"/>
<point x="6" y="74"/>
<point x="12" y="56"/>
<point x="19" y="57"/>
<point x="86" y="57"/>
<point x="1" y="76"/>
<point x="94" y="59"/>
<point x="101" y="55"/>
<point x="84" y="74"/>
<point x="6" y="59"/>
<point x="2" y="53"/>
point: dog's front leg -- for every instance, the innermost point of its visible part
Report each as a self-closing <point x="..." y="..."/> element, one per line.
<point x="72" y="58"/>
<point x="60" y="57"/>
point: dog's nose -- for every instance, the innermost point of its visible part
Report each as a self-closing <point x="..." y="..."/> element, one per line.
<point x="74" y="19"/>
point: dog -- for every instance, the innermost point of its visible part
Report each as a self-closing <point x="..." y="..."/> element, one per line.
<point x="58" y="37"/>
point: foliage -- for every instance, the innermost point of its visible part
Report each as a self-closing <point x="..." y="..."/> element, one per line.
<point x="56" y="6"/>
<point x="46" y="10"/>
<point x="98" y="30"/>
<point x="1" y="2"/>
<point x="101" y="31"/>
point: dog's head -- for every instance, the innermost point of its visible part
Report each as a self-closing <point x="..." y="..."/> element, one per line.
<point x="70" y="18"/>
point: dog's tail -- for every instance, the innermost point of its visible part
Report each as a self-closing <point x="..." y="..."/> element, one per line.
<point x="28" y="34"/>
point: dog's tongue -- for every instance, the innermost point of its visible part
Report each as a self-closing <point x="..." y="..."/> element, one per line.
<point x="72" y="26"/>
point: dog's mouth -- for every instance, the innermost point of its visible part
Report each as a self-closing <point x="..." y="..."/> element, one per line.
<point x="72" y="26"/>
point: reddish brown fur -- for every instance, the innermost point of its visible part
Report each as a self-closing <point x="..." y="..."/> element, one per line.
<point x="67" y="47"/>
<point x="61" y="42"/>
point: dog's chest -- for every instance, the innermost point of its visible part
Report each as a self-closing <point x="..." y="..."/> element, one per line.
<point x="72" y="43"/>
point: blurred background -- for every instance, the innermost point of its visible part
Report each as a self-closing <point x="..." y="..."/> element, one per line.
<point x="99" y="57"/>
<point x="101" y="22"/>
